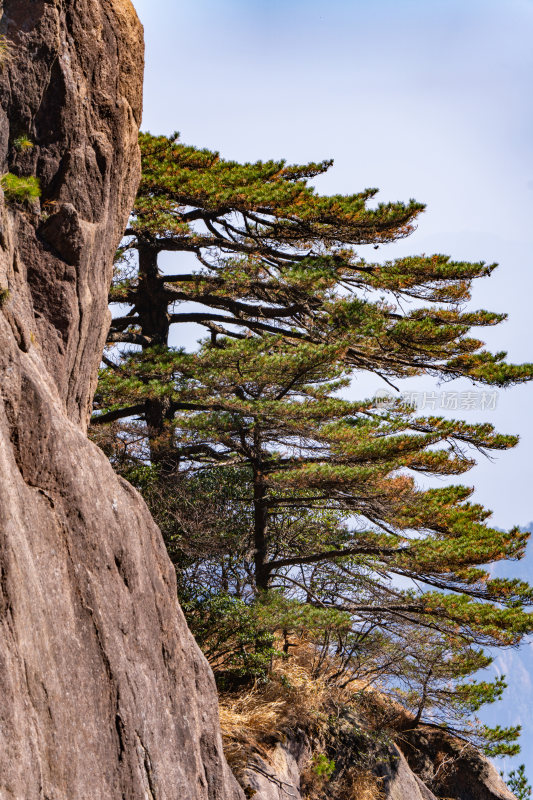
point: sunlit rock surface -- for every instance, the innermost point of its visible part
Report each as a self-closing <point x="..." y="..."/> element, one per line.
<point x="104" y="694"/>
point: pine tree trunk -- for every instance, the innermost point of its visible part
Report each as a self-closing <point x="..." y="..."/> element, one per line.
<point x="262" y="572"/>
<point x="152" y="300"/>
<point x="154" y="319"/>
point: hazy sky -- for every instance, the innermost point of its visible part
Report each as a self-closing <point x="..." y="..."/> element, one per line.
<point x="422" y="98"/>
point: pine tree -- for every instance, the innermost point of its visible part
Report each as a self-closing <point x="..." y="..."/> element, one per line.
<point x="273" y="413"/>
<point x="518" y="783"/>
<point x="330" y="515"/>
<point x="275" y="257"/>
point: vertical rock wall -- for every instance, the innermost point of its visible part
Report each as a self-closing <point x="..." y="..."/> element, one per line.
<point x="103" y="692"/>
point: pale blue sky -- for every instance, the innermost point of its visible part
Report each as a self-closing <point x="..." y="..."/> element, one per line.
<point x="423" y="98"/>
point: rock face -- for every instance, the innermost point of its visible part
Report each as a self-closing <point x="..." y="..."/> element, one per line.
<point x="452" y="768"/>
<point x="104" y="694"/>
<point x="399" y="782"/>
<point x="433" y="765"/>
<point x="278" y="777"/>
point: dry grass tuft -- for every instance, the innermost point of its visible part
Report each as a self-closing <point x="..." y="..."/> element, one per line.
<point x="253" y="720"/>
<point x="293" y="697"/>
<point x="363" y="786"/>
<point x="382" y="713"/>
<point x="250" y="714"/>
<point x="247" y="721"/>
<point x="7" y="49"/>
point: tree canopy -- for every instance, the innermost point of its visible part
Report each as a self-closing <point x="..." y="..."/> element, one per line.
<point x="274" y="256"/>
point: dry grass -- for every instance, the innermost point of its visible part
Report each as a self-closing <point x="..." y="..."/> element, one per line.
<point x="247" y="722"/>
<point x="6" y="51"/>
<point x="364" y="786"/>
<point x="383" y="713"/>
<point x="291" y="695"/>
<point x="251" y="715"/>
<point x="253" y="720"/>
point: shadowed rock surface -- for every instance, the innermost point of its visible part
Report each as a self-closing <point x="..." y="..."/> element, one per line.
<point x="279" y="776"/>
<point x="104" y="693"/>
<point x="452" y="768"/>
<point x="433" y="765"/>
<point x="398" y="780"/>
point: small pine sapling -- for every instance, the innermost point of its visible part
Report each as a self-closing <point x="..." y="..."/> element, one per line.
<point x="20" y="190"/>
<point x="23" y="143"/>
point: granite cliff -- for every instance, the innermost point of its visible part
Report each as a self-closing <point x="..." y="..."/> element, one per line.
<point x="104" y="692"/>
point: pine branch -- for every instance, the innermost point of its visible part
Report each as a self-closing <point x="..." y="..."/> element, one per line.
<point x="119" y="413"/>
